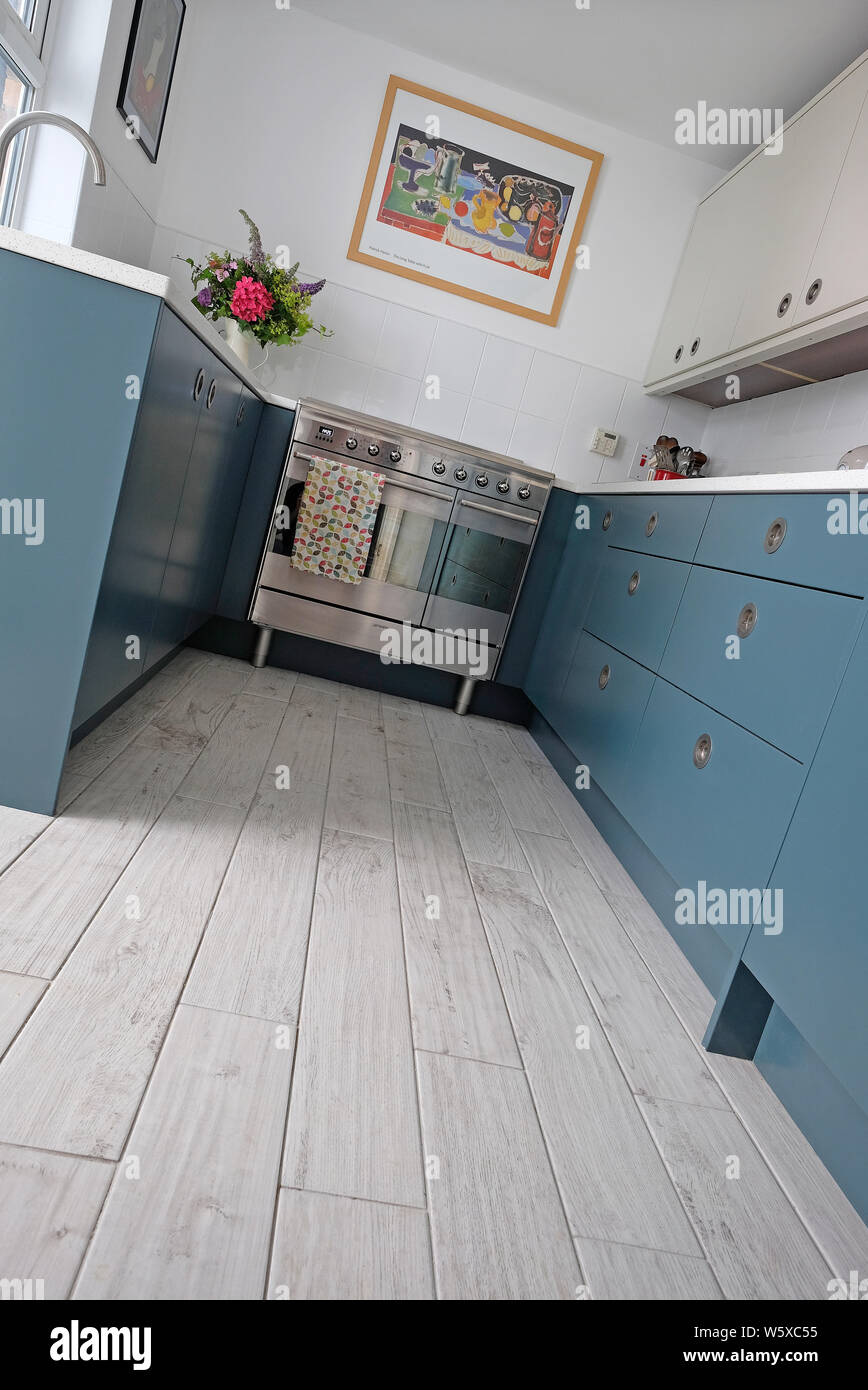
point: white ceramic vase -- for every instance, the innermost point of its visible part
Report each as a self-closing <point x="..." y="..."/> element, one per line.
<point x="238" y="340"/>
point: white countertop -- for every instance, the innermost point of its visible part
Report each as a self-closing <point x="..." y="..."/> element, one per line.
<point x="147" y="282"/>
<point x="830" y="480"/>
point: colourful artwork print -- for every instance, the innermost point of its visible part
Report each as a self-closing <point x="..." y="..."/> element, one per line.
<point x="474" y="202"/>
<point x="336" y="521"/>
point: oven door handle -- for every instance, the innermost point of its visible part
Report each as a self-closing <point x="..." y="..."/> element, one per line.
<point x="498" y="511"/>
<point x="441" y="494"/>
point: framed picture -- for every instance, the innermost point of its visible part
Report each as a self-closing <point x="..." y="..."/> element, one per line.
<point x="473" y="203"/>
<point x="148" y="69"/>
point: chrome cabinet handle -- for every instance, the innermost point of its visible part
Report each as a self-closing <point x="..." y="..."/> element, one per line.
<point x="492" y="511"/>
<point x="240" y="416"/>
<point x="813" y="291"/>
<point x="702" y="751"/>
<point x="775" y="535"/>
<point x="651" y="524"/>
<point x="633" y="582"/>
<point x="608" y="519"/>
<point x="784" y="305"/>
<point x="603" y="678"/>
<point x="694" y="347"/>
<point x="200" y="382"/>
<point x="746" y="620"/>
<point x="212" y="392"/>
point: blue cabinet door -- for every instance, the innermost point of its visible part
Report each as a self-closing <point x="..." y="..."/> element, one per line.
<point x="780" y="678"/>
<point x="666" y="525"/>
<point x="255" y="513"/>
<point x="565" y="611"/>
<point x="604" y="699"/>
<point x="145" y="520"/>
<point x="787" y="536"/>
<point x="721" y="822"/>
<point x="635" y="602"/>
<point x="816" y="970"/>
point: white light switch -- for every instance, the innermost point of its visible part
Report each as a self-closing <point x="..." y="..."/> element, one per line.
<point x="604" y="442"/>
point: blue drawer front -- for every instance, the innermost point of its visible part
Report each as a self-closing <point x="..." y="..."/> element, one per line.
<point x="665" y="525"/>
<point x="735" y="534"/>
<point x="724" y="823"/>
<point x="637" y="623"/>
<point x="816" y="970"/>
<point x="782" y="682"/>
<point x="565" y="613"/>
<point x="600" y="725"/>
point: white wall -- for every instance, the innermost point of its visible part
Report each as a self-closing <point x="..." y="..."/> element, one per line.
<point x="795" y="431"/>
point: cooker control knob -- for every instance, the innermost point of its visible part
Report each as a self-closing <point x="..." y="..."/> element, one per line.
<point x="373" y="450"/>
<point x="524" y="492"/>
<point x="395" y="456"/>
<point x="482" y="480"/>
<point x="460" y="475"/>
<point x="439" y="467"/>
<point x="503" y="486"/>
<point x="352" y="443"/>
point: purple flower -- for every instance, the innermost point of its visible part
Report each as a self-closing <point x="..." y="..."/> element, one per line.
<point x="205" y="297"/>
<point x="313" y="288"/>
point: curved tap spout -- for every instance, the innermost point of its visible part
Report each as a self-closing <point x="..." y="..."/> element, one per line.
<point x="19" y="123"/>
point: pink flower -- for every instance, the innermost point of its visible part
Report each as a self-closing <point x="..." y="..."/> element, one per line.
<point x="251" y="300"/>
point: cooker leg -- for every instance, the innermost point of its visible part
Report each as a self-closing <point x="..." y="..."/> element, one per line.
<point x="263" y="642"/>
<point x="465" y="695"/>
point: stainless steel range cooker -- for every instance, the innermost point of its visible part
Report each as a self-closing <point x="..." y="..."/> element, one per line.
<point x="452" y="539"/>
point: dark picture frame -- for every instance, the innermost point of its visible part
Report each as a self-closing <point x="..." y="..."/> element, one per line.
<point x="149" y="67"/>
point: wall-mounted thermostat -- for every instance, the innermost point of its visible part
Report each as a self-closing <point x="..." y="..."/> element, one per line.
<point x="604" y="442"/>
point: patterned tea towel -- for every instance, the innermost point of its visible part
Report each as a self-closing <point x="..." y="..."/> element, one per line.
<point x="336" y="520"/>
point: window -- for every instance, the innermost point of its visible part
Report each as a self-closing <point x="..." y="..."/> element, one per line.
<point x="22" y="29"/>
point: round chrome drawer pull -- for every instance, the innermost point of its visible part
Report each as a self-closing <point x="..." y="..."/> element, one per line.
<point x="813" y="292"/>
<point x="775" y="535"/>
<point x="608" y="519"/>
<point x="784" y="305"/>
<point x="603" y="678"/>
<point x="702" y="751"/>
<point x="746" y="620"/>
<point x="678" y="352"/>
<point x="651" y="524"/>
<point x="200" y="382"/>
<point x="694" y="346"/>
<point x="633" y="582"/>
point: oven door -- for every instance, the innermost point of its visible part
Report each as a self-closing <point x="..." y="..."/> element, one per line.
<point x="481" y="568"/>
<point x="409" y="531"/>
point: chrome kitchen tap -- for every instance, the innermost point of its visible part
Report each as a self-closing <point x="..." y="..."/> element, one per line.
<point x="18" y="123"/>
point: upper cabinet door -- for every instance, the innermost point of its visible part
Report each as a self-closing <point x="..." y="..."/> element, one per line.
<point x="786" y="199"/>
<point x="838" y="275"/>
<point x="671" y="351"/>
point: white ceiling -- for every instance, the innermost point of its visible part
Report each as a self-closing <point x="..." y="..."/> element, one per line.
<point x="630" y="63"/>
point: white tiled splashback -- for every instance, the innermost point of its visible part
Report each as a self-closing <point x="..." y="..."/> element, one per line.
<point x="493" y="393"/>
<point x="111" y="222"/>
<point x="793" y="432"/>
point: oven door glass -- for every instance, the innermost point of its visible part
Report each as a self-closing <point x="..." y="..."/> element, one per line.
<point x="406" y="547"/>
<point x="482" y="567"/>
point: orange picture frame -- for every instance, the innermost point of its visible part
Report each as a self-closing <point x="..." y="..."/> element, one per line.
<point x="371" y="192"/>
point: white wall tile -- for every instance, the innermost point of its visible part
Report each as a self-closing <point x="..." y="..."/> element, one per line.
<point x="340" y="381"/>
<point x="405" y="341"/>
<point x="503" y="372"/>
<point x="488" y="426"/>
<point x="455" y="356"/>
<point x="639" y="420"/>
<point x="357" y="320"/>
<point x="391" y="397"/>
<point x="442" y="416"/>
<point x="685" y="421"/>
<point x="289" y="371"/>
<point x="535" y="441"/>
<point x="596" y="403"/>
<point x="550" y="386"/>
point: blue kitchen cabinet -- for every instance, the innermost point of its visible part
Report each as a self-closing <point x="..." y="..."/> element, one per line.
<point x="635" y="602"/>
<point x="564" y="616"/>
<point x="605" y="695"/>
<point x="816" y="970"/>
<point x="68" y="417"/>
<point x="711" y="801"/>
<point x="264" y="476"/>
<point x="785" y="537"/>
<point x="145" y="519"/>
<point x="779" y="677"/>
<point x="666" y="525"/>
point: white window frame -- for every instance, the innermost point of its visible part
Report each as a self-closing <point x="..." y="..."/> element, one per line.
<point x="24" y="46"/>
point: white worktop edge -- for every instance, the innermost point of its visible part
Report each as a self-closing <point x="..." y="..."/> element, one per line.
<point x="829" y="480"/>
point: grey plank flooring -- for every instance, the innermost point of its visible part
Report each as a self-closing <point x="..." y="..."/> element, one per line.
<point x="345" y="1249"/>
<point x="353" y="1125"/>
<point x="196" y="1223"/>
<point x="49" y="1203"/>
<point x="76" y="1072"/>
<point x="167" y="960"/>
<point x="498" y="1227"/>
<point x="457" y="1002"/>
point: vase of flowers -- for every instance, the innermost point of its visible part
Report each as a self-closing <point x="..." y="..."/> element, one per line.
<point x="260" y="300"/>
